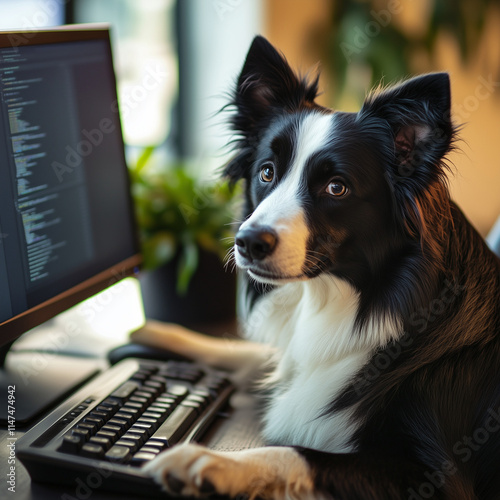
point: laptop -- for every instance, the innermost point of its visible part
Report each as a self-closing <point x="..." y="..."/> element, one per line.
<point x="67" y="232"/>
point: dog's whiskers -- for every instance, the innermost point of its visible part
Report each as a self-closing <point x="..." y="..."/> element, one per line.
<point x="230" y="260"/>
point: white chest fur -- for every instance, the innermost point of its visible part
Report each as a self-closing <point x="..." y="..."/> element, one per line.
<point x="311" y="324"/>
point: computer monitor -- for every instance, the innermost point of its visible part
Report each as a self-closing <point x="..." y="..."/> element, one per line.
<point x="66" y="215"/>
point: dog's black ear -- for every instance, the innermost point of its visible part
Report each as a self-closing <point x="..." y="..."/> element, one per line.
<point x="266" y="86"/>
<point x="418" y="113"/>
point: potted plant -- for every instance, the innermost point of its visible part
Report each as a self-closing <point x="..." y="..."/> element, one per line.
<point x="185" y="231"/>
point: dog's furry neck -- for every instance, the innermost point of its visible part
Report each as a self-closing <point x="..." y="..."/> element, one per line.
<point x="320" y="313"/>
<point x="312" y="324"/>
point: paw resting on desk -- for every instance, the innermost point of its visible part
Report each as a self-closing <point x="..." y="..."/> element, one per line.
<point x="268" y="473"/>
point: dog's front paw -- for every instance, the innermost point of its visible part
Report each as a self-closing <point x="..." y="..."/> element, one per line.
<point x="189" y="469"/>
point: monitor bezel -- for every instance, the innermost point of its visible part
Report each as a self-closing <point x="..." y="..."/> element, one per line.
<point x="14" y="327"/>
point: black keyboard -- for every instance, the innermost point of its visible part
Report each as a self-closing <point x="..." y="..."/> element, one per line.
<point x="123" y="419"/>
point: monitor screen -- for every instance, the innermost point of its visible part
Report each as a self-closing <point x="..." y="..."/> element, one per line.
<point x="66" y="217"/>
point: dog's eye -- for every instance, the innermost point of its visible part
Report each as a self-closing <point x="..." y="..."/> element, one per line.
<point x="337" y="189"/>
<point x="267" y="172"/>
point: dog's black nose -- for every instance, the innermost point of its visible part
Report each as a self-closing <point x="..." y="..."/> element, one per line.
<point x="256" y="243"/>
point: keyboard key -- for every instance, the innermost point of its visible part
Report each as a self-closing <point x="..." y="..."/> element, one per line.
<point x="92" y="450"/>
<point x="156" y="416"/>
<point x="138" y="438"/>
<point x="133" y="404"/>
<point x="118" y="454"/>
<point x="146" y="420"/>
<point x="83" y="434"/>
<point x="147" y="428"/>
<point x="139" y="399"/>
<point x="143" y="394"/>
<point x="111" y="428"/>
<point x="202" y="391"/>
<point x="167" y="399"/>
<point x="97" y="422"/>
<point x="112" y="436"/>
<point x="71" y="443"/>
<point x="183" y="372"/>
<point x="140" y="431"/>
<point x="150" y="449"/>
<point x="160" y="380"/>
<point x="197" y="399"/>
<point x="118" y="422"/>
<point x="133" y="446"/>
<point x="106" y="410"/>
<point x="148" y="369"/>
<point x="104" y="442"/>
<point x="139" y="377"/>
<point x="131" y="416"/>
<point x="111" y="403"/>
<point x="163" y="408"/>
<point x="157" y="409"/>
<point x="128" y="417"/>
<point x="176" y="424"/>
<point x="100" y="414"/>
<point x="158" y="386"/>
<point x="84" y="425"/>
<point x="152" y="392"/>
<point x="177" y="390"/>
<point x="125" y="391"/>
<point x="157" y="442"/>
<point x="141" y="458"/>
<point x="193" y="404"/>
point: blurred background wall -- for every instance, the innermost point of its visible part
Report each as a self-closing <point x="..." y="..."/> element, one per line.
<point x="367" y="41"/>
<point x="190" y="52"/>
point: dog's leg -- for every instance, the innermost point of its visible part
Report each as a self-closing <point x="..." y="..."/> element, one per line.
<point x="267" y="473"/>
<point x="239" y="356"/>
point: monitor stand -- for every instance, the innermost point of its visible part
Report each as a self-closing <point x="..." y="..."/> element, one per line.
<point x="33" y="382"/>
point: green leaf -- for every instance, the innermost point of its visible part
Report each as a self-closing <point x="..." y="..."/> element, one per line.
<point x="188" y="263"/>
<point x="144" y="158"/>
<point x="177" y="214"/>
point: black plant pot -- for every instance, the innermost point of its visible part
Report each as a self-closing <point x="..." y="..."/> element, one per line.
<point x="210" y="299"/>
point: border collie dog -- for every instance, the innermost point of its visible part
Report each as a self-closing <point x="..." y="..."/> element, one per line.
<point x="377" y="302"/>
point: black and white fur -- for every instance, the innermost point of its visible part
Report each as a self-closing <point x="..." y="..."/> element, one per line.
<point x="372" y="298"/>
